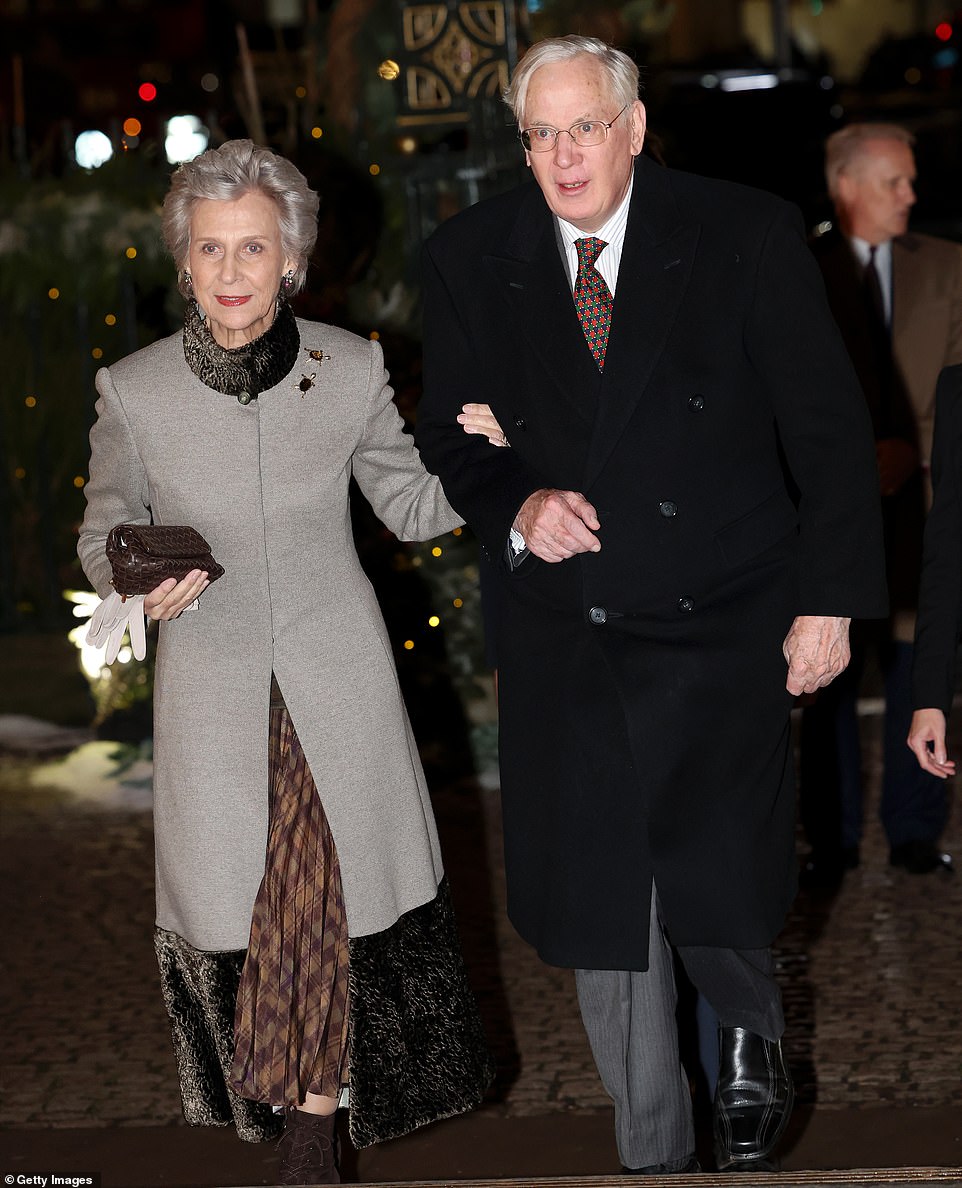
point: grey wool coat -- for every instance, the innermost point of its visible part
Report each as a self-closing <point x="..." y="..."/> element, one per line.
<point x="267" y="485"/>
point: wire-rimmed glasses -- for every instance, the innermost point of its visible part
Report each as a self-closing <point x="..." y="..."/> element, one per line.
<point x="540" y="138"/>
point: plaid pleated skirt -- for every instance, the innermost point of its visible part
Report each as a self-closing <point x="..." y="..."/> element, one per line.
<point x="291" y="1025"/>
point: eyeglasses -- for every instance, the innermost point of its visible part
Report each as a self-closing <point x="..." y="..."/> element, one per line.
<point x="542" y="139"/>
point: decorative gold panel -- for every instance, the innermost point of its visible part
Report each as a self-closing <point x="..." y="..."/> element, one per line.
<point x="454" y="52"/>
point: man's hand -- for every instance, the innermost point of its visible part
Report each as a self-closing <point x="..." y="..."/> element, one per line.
<point x="557" y="524"/>
<point x="897" y="462"/>
<point x="817" y="650"/>
<point x="171" y="597"/>
<point x="928" y="726"/>
<point x="478" y="418"/>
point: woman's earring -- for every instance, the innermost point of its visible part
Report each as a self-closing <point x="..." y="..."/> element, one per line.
<point x="288" y="280"/>
<point x="188" y="281"/>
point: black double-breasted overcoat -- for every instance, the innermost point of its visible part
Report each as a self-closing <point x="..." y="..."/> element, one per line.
<point x="727" y="449"/>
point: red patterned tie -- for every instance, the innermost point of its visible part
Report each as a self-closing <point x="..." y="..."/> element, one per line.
<point x="593" y="298"/>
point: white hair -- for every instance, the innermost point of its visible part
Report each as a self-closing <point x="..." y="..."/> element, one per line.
<point x="237" y="168"/>
<point x="621" y="70"/>
<point x="843" y="148"/>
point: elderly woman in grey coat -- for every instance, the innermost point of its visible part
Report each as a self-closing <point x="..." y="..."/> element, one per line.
<point x="304" y="931"/>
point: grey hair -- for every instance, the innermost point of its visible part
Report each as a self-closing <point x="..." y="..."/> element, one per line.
<point x="843" y="148"/>
<point x="621" y="70"/>
<point x="237" y="168"/>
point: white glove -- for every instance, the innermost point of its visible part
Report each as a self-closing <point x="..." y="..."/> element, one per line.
<point x="111" y="618"/>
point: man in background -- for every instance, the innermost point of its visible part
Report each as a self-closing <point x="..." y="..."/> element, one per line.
<point x="897" y="299"/>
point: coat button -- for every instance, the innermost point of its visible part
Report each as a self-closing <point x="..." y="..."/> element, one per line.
<point x="244" y="397"/>
<point x="519" y="423"/>
<point x="697" y="403"/>
<point x="598" y="615"/>
<point x="685" y="605"/>
<point x="668" y="509"/>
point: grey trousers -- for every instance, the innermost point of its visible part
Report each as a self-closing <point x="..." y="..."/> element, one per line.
<point x="630" y="1021"/>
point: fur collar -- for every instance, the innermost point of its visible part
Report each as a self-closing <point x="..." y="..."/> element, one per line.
<point x="253" y="367"/>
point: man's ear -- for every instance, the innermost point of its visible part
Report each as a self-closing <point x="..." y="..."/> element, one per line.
<point x="638" y="119"/>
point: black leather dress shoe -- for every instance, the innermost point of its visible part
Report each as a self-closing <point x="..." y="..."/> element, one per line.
<point x="920" y="857"/>
<point x="676" y="1167"/>
<point x="753" y="1100"/>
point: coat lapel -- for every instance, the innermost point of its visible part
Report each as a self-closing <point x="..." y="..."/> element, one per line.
<point x="656" y="264"/>
<point x="536" y="291"/>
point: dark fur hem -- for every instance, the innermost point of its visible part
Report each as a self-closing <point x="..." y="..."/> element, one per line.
<point x="200" y="993"/>
<point x="417" y="1048"/>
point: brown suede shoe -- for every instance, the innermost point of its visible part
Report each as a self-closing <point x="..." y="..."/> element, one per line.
<point x="308" y="1149"/>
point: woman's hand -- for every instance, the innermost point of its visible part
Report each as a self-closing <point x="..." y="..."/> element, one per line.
<point x="478" y="418"/>
<point x="926" y="740"/>
<point x="171" y="597"/>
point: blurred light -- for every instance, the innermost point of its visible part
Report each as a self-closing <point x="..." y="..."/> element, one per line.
<point x="97" y="353"/>
<point x="130" y="142"/>
<point x="125" y="655"/>
<point x="826" y="82"/>
<point x="209" y="82"/>
<point x="389" y="70"/>
<point x="817" y="7"/>
<point x="147" y="92"/>
<point x="457" y="531"/>
<point x="943" y="31"/>
<point x="458" y="602"/>
<point x="434" y="621"/>
<point x="53" y="294"/>
<point x="79" y="481"/>
<point x="436" y="551"/>
<point x="709" y="80"/>
<point x="185" y="139"/>
<point x="749" y="82"/>
<point x="91" y="149"/>
<point x="836" y="111"/>
<point x="317" y="133"/>
<point x="20" y="473"/>
<point x="31" y="402"/>
<point x="301" y="92"/>
<point x="409" y="645"/>
<point x="110" y="320"/>
<point x="131" y="253"/>
<point x="132" y="126"/>
<point x="913" y="75"/>
<point x="374" y="336"/>
<point x="374" y="170"/>
<point x="945" y="58"/>
<point x="407" y="144"/>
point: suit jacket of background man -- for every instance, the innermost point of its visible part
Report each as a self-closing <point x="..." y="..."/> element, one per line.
<point x="644" y="717"/>
<point x="926" y="335"/>
<point x="939" y="626"/>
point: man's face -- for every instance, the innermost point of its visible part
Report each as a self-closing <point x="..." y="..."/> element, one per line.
<point x="877" y="192"/>
<point x="582" y="185"/>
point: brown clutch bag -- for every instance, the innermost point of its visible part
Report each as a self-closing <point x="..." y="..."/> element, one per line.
<point x="141" y="556"/>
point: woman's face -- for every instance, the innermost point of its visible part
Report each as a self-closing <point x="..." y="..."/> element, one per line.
<point x="236" y="263"/>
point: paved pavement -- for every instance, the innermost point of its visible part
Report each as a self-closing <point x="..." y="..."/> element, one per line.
<point x="871" y="977"/>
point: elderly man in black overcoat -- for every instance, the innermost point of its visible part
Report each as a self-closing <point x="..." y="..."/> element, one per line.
<point x="684" y="523"/>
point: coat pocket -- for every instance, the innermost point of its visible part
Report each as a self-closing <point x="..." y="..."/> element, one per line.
<point x="758" y="529"/>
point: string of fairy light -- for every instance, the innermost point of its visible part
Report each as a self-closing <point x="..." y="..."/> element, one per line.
<point x="55" y="293"/>
<point x="434" y="620"/>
